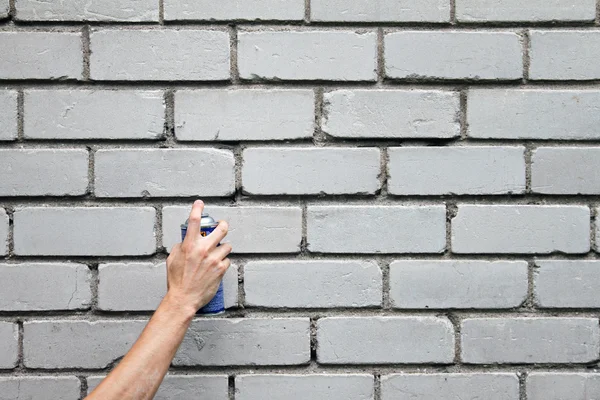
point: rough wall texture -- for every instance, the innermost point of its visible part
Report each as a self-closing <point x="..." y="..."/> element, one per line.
<point x="412" y="188"/>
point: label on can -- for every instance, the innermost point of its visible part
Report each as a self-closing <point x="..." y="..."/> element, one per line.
<point x="217" y="304"/>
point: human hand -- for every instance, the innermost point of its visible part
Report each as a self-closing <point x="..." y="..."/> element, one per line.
<point x="196" y="266"/>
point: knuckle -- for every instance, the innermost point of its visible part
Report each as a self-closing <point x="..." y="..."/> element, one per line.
<point x="223" y="226"/>
<point x="195" y="217"/>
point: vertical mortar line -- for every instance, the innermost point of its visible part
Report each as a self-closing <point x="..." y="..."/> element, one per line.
<point x="11" y="235"/>
<point x="85" y="42"/>
<point x="377" y="386"/>
<point x="383" y="174"/>
<point x="462" y="113"/>
<point x="380" y="56"/>
<point x="451" y="210"/>
<point x="238" y="154"/>
<point x="231" y="387"/>
<point x="20" y="115"/>
<point x="598" y="12"/>
<point x="233" y="55"/>
<point x="593" y="226"/>
<point x="313" y="339"/>
<point x="160" y="249"/>
<point x="84" y="386"/>
<point x="522" y="385"/>
<point x="307" y="11"/>
<point x="169" y="124"/>
<point x="319" y="137"/>
<point x="161" y="12"/>
<point x="529" y="148"/>
<point x="12" y="9"/>
<point x="241" y="288"/>
<point x="304" y="240"/>
<point x="95" y="281"/>
<point x="531" y="271"/>
<point x="91" y="171"/>
<point x="526" y="56"/>
<point x="384" y="265"/>
<point x="453" y="12"/>
<point x="20" y="348"/>
<point x="455" y="320"/>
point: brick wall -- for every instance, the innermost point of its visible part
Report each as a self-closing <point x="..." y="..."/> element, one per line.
<point x="412" y="188"/>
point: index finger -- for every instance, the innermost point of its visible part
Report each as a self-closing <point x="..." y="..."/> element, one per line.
<point x="215" y="237"/>
<point x="193" y="228"/>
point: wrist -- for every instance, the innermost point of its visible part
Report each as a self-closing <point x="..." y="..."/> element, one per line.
<point x="179" y="308"/>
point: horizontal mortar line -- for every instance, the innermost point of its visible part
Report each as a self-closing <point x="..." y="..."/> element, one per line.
<point x="294" y="24"/>
<point x="328" y="85"/>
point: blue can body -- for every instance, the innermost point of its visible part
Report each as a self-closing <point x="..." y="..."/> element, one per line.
<point x="217" y="304"/>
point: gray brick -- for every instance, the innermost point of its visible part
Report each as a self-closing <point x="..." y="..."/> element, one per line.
<point x="500" y="386"/>
<point x="521" y="229"/>
<point x="265" y="341"/>
<point x="530" y="340"/>
<point x="572" y="170"/>
<point x="207" y="10"/>
<point x="376" y="229"/>
<point x="327" y="170"/>
<point x="4" y="8"/>
<point x="4" y="230"/>
<point x="533" y="114"/>
<point x="321" y="386"/>
<point x="368" y="340"/>
<point x="8" y="114"/>
<point x="453" y="55"/>
<point x="94" y="114"/>
<point x="43" y="172"/>
<point x="84" y="231"/>
<point x="312" y="284"/>
<point x="308" y="55"/>
<point x="520" y="11"/>
<point x="380" y="10"/>
<point x="9" y="334"/>
<point x="458" y="284"/>
<point x="41" y="55"/>
<point x="164" y="172"/>
<point x="184" y="387"/>
<point x="456" y="170"/>
<point x="45" y="286"/>
<point x="565" y="55"/>
<point x="567" y="284"/>
<point x="164" y="54"/>
<point x="141" y="286"/>
<point x="40" y="388"/>
<point x="391" y="114"/>
<point x="254" y="114"/>
<point x="560" y="386"/>
<point x="252" y="229"/>
<point x="76" y="10"/>
<point x="77" y="344"/>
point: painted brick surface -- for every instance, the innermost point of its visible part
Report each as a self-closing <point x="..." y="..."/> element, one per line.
<point x="577" y="60"/>
<point x="41" y="55"/>
<point x="74" y="10"/>
<point x="333" y="387"/>
<point x="43" y="172"/>
<point x="269" y="341"/>
<point x="533" y="114"/>
<point x="252" y="229"/>
<point x="565" y="170"/>
<point x="207" y="10"/>
<point x="183" y="387"/>
<point x="383" y="229"/>
<point x="453" y="55"/>
<point x="45" y="286"/>
<point x="9" y="334"/>
<point x="164" y="172"/>
<point x="4" y="8"/>
<point x="503" y="386"/>
<point x="141" y="286"/>
<point x="94" y="114"/>
<point x="533" y="10"/>
<point x="391" y="114"/>
<point x="40" y="387"/>
<point x="458" y="284"/>
<point x="240" y="115"/>
<point x="366" y="340"/>
<point x="4" y="231"/>
<point x="456" y="170"/>
<point x="530" y="340"/>
<point x="312" y="284"/>
<point x="77" y="344"/>
<point x="162" y="55"/>
<point x="311" y="171"/>
<point x="521" y="229"/>
<point x="70" y="231"/>
<point x="307" y="55"/>
<point x="567" y="284"/>
<point x="8" y="115"/>
<point x="380" y="10"/>
<point x="557" y="386"/>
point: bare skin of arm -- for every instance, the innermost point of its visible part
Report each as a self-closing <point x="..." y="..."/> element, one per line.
<point x="194" y="270"/>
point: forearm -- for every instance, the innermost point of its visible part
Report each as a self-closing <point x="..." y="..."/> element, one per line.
<point x="142" y="370"/>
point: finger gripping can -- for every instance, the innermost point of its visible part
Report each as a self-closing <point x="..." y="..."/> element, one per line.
<point x="217" y="304"/>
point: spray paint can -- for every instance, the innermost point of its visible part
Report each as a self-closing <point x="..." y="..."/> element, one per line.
<point x="217" y="304"/>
